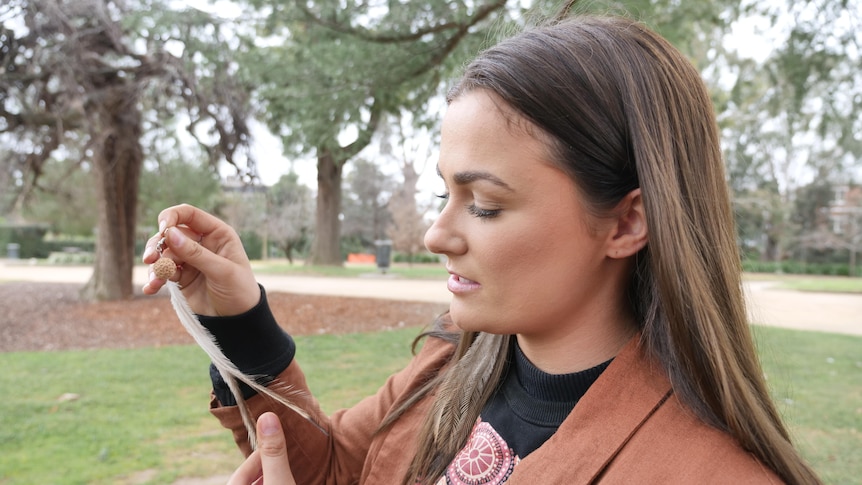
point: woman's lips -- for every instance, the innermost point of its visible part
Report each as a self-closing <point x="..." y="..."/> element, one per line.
<point x="459" y="284"/>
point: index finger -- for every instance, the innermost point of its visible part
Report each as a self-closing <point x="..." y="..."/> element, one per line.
<point x="249" y="472"/>
<point x="197" y="220"/>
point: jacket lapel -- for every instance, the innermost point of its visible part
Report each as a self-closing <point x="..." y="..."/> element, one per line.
<point x="627" y="393"/>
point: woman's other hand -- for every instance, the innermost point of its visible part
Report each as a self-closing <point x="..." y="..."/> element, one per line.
<point x="268" y="464"/>
<point x="213" y="270"/>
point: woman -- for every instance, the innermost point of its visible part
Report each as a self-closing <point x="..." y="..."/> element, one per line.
<point x="597" y="303"/>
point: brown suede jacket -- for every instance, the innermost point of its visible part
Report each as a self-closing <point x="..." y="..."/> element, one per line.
<point x="628" y="428"/>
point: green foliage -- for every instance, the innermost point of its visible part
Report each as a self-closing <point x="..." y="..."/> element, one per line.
<point x="252" y="243"/>
<point x="327" y="73"/>
<point x="64" y="243"/>
<point x="244" y="207"/>
<point x="65" y="198"/>
<point x="67" y="257"/>
<point x="793" y="115"/>
<point x="366" y="194"/>
<point x="423" y="257"/>
<point x="693" y="27"/>
<point x="355" y="244"/>
<point x="289" y="215"/>
<point x="95" y="84"/>
<point x="796" y="267"/>
<point x="809" y="203"/>
<point x="327" y="65"/>
<point x="175" y="181"/>
<point x="30" y="237"/>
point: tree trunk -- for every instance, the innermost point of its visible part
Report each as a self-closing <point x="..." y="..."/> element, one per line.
<point x="326" y="248"/>
<point x="117" y="162"/>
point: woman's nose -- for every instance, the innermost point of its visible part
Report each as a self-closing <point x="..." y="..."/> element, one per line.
<point x="443" y="237"/>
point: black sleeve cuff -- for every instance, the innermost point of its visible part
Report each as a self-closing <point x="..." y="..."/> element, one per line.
<point x="254" y="342"/>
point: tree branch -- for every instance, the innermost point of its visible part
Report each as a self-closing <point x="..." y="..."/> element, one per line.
<point x="365" y="134"/>
<point x="395" y="38"/>
<point x="453" y="42"/>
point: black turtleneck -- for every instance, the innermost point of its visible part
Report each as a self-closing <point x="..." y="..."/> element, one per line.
<point x="531" y="404"/>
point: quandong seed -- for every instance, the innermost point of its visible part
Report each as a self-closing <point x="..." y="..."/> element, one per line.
<point x="164" y="268"/>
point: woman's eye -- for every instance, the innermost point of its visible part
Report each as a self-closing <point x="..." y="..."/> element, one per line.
<point x="473" y="209"/>
<point x="482" y="213"/>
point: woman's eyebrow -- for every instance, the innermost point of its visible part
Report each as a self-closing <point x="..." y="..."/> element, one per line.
<point x="465" y="178"/>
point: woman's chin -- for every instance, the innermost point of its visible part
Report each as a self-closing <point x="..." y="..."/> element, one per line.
<point x="468" y="322"/>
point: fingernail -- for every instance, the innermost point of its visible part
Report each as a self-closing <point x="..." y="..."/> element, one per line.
<point x="269" y="424"/>
<point x="148" y="251"/>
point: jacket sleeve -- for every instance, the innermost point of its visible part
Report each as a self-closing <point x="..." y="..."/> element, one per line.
<point x="329" y="449"/>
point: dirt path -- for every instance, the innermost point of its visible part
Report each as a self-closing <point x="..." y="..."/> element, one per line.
<point x="827" y="312"/>
<point x="824" y="312"/>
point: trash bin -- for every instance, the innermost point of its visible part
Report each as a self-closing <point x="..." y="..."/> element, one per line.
<point x="384" y="254"/>
<point x="12" y="250"/>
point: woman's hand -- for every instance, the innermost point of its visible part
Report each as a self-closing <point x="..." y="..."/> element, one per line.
<point x="213" y="269"/>
<point x="268" y="464"/>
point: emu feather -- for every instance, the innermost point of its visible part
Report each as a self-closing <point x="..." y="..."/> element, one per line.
<point x="229" y="372"/>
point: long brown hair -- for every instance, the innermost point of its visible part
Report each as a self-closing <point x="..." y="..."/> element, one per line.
<point x="624" y="109"/>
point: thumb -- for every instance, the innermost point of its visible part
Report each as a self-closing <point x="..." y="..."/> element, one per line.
<point x="273" y="450"/>
<point x="185" y="248"/>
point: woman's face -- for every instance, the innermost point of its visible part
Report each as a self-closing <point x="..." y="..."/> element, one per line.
<point x="524" y="255"/>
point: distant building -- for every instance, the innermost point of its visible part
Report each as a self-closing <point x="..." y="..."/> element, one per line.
<point x="845" y="211"/>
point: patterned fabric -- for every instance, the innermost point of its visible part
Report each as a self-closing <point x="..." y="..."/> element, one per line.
<point x="486" y="459"/>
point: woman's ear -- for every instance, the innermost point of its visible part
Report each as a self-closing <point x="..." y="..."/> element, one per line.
<point x="630" y="233"/>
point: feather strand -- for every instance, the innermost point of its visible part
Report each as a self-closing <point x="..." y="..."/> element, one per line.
<point x="229" y="372"/>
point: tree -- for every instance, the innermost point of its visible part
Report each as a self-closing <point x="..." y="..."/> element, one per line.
<point x="68" y="199"/>
<point x="328" y="72"/>
<point x="366" y="204"/>
<point x="80" y="79"/>
<point x="408" y="228"/>
<point x="244" y="207"/>
<point x="290" y="214"/>
<point x="174" y="181"/>
<point x="408" y="225"/>
<point x="796" y="114"/>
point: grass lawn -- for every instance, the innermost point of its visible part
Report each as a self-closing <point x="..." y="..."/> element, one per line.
<point x="826" y="284"/>
<point x="141" y="414"/>
<point x="816" y="380"/>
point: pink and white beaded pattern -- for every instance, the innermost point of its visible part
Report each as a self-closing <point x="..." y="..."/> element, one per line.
<point x="485" y="460"/>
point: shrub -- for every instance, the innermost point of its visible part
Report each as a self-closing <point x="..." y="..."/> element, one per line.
<point x="419" y="258"/>
<point x="253" y="244"/>
<point x="796" y="267"/>
<point x="67" y="257"/>
<point x="28" y="236"/>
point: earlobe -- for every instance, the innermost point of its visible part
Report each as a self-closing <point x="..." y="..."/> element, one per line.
<point x="630" y="234"/>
